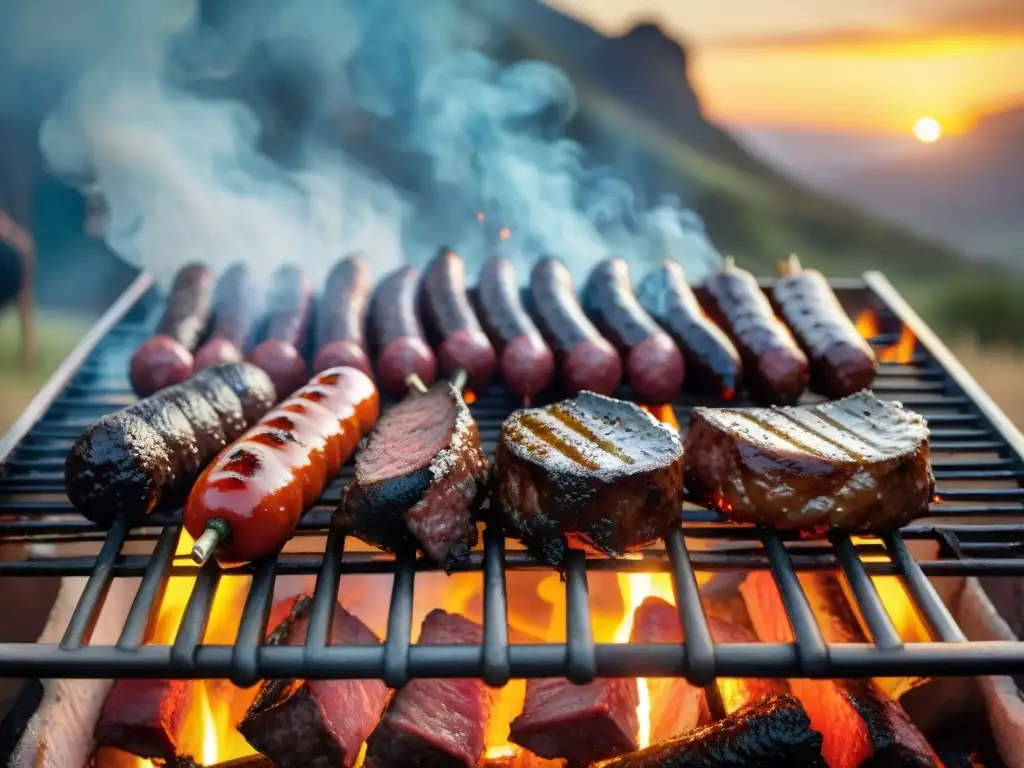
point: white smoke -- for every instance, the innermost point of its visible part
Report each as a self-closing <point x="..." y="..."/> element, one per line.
<point x="185" y="179"/>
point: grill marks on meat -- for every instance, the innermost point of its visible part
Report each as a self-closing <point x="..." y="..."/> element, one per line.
<point x="852" y="464"/>
<point x="421" y="478"/>
<point x="678" y="706"/>
<point x="859" y="723"/>
<point x="316" y="723"/>
<point x="770" y="733"/>
<point x="436" y="723"/>
<point x="591" y="471"/>
<point x="580" y="723"/>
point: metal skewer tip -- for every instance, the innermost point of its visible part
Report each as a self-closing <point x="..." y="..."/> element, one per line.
<point x="216" y="531"/>
<point x="459" y="378"/>
<point x="415" y="383"/>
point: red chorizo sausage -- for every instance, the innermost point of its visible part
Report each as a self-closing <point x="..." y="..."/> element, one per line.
<point x="166" y="357"/>
<point x="289" y="310"/>
<point x="234" y="318"/>
<point x="841" y="361"/>
<point x="398" y="338"/>
<point x="341" y="315"/>
<point x="261" y="484"/>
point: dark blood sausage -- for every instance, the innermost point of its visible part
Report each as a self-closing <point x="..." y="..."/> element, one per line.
<point x="341" y="316"/>
<point x="841" y="361"/>
<point x="398" y="338"/>
<point x="588" y="472"/>
<point x="436" y="722"/>
<point x="676" y="705"/>
<point x="316" y="723"/>
<point x="147" y="717"/>
<point x="289" y="312"/>
<point x="234" y="318"/>
<point x="654" y="365"/>
<point x="770" y="733"/>
<point x="587" y="360"/>
<point x="856" y="464"/>
<point x="579" y="723"/>
<point x="776" y="369"/>
<point x="450" y="322"/>
<point x="147" y="455"/>
<point x="712" y="362"/>
<point x="860" y="724"/>
<point x="527" y="363"/>
<point x="263" y="482"/>
<point x="166" y="358"/>
<point x="420" y="479"/>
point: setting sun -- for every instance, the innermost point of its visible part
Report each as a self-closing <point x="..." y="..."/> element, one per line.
<point x="927" y="130"/>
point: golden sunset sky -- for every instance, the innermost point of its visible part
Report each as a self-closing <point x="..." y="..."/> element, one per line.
<point x="849" y="65"/>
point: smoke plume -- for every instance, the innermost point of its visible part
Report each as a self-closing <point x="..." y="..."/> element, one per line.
<point x="306" y="130"/>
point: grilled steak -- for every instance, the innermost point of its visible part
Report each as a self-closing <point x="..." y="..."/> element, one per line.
<point x="590" y="471"/>
<point x="580" y="723"/>
<point x="858" y="721"/>
<point x="422" y="476"/>
<point x="770" y="733"/>
<point x="146" y="717"/>
<point x="436" y="723"/>
<point x="678" y="706"/>
<point x="853" y="464"/>
<point x="316" y="723"/>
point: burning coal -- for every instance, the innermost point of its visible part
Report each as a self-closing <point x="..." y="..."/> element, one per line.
<point x="397" y="128"/>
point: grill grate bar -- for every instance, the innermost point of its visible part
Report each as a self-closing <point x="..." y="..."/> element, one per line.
<point x="396" y="645"/>
<point x="252" y="627"/>
<point x="810" y="645"/>
<point x="325" y="594"/>
<point x="154" y="581"/>
<point x="495" y="649"/>
<point x="87" y="610"/>
<point x="700" y="648"/>
<point x="196" y="616"/>
<point x="581" y="660"/>
<point x="883" y="632"/>
<point x="924" y="594"/>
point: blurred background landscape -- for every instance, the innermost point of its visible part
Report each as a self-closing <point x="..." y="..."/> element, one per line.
<point x="874" y="135"/>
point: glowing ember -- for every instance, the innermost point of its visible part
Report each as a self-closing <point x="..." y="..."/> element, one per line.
<point x="902" y="351"/>
<point x="499" y="753"/>
<point x="480" y="216"/>
<point x="469" y="396"/>
<point x="504" y="233"/>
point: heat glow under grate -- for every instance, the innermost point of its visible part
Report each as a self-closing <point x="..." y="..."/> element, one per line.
<point x="977" y="529"/>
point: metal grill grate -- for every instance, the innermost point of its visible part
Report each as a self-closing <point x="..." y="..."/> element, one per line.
<point x="977" y="529"/>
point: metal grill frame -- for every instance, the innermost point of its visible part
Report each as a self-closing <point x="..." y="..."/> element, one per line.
<point x="32" y="451"/>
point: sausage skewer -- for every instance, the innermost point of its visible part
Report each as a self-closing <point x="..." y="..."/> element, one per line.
<point x="450" y="322"/>
<point x="712" y="361"/>
<point x="654" y="365"/>
<point x="777" y="371"/>
<point x="399" y="342"/>
<point x="289" y="307"/>
<point x="842" y="363"/>
<point x="166" y="357"/>
<point x="147" y="455"/>
<point x="234" y="317"/>
<point x="342" y="313"/>
<point x="247" y="503"/>
<point x="587" y="360"/>
<point x="527" y="363"/>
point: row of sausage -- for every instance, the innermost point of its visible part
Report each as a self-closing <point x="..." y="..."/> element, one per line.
<point x="726" y="336"/>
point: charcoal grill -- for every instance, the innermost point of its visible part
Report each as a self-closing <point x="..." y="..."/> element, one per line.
<point x="972" y="441"/>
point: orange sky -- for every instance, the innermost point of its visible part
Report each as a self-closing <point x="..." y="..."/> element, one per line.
<point x="854" y="65"/>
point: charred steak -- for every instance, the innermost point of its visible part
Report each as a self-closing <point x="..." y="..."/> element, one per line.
<point x="852" y="464"/>
<point x="769" y="733"/>
<point x="421" y="477"/>
<point x="591" y="471"/>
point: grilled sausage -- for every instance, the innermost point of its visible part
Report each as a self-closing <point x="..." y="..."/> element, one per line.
<point x="166" y="357"/>
<point x="289" y="307"/>
<point x="587" y="359"/>
<point x="654" y="365"/>
<point x="450" y="322"/>
<point x="234" y="318"/>
<point x="342" y="313"/>
<point x="776" y="370"/>
<point x="712" y="362"/>
<point x="842" y="363"/>
<point x="147" y="455"/>
<point x="527" y="363"/>
<point x="398" y="339"/>
<point x="262" y="483"/>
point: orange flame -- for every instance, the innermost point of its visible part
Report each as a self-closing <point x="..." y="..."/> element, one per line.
<point x="902" y="351"/>
<point x="867" y="323"/>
